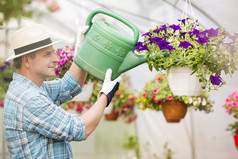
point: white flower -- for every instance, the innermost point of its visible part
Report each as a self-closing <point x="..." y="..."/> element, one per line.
<point x="204" y="102"/>
<point x="199" y="99"/>
<point x="195" y="103"/>
<point x="190" y="100"/>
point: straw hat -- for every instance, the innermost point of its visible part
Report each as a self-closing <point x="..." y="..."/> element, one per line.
<point x="29" y="39"/>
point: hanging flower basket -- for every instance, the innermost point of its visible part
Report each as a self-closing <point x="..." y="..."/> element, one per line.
<point x="86" y="93"/>
<point x="174" y="110"/>
<point x="157" y="91"/>
<point x="183" y="83"/>
<point x="112" y="116"/>
<point x="208" y="52"/>
<point x="235" y="136"/>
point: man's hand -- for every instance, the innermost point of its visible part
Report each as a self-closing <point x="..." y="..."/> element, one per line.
<point x="80" y="36"/>
<point x="81" y="33"/>
<point x="109" y="87"/>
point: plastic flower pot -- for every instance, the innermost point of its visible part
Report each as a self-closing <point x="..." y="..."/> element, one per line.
<point x="86" y="93"/>
<point x="182" y="83"/>
<point x="174" y="110"/>
<point x="235" y="136"/>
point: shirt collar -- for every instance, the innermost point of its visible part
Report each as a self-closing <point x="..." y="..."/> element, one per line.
<point x="26" y="81"/>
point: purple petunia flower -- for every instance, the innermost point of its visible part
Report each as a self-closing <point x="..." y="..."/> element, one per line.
<point x="185" y="44"/>
<point x="175" y="27"/>
<point x="146" y="34"/>
<point x="163" y="44"/>
<point x="143" y="47"/>
<point x="7" y="63"/>
<point x="138" y="45"/>
<point x="212" y="33"/>
<point x="2" y="67"/>
<point x="156" y="30"/>
<point x="163" y="27"/>
<point x="202" y="40"/>
<point x="170" y="47"/>
<point x="155" y="39"/>
<point x="182" y="34"/>
<point x="202" y="34"/>
<point x="216" y="80"/>
<point x="183" y="20"/>
<point x="196" y="32"/>
<point x="6" y="79"/>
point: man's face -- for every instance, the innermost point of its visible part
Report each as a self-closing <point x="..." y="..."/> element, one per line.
<point x="44" y="63"/>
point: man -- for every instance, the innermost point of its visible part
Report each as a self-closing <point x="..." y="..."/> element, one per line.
<point x="35" y="126"/>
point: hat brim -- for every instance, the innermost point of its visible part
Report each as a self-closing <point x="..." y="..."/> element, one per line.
<point x="30" y="51"/>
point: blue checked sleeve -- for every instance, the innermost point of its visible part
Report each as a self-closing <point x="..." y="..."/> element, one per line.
<point x="51" y="121"/>
<point x="61" y="90"/>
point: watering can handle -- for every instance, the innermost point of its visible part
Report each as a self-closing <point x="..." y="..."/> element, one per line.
<point x="116" y="16"/>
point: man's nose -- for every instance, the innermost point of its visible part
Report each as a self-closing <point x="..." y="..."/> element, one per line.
<point x="55" y="58"/>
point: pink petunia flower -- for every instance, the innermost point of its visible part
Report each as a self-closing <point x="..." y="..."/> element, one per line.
<point x="228" y="110"/>
<point x="144" y="95"/>
<point x="162" y="100"/>
<point x="87" y="106"/>
<point x="159" y="79"/>
<point x="227" y="100"/>
<point x="79" y="107"/>
<point x="234" y="104"/>
<point x="153" y="96"/>
<point x="57" y="72"/>
<point x="170" y="98"/>
<point x="235" y="97"/>
<point x="1" y="103"/>
<point x="155" y="91"/>
<point x="156" y="101"/>
<point x="234" y="93"/>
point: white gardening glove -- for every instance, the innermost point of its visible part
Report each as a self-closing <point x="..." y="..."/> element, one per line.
<point x="80" y="36"/>
<point x="109" y="87"/>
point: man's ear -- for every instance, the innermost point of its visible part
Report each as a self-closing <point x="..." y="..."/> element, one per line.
<point x="26" y="61"/>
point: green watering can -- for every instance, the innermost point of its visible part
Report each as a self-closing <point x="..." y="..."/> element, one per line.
<point x="107" y="46"/>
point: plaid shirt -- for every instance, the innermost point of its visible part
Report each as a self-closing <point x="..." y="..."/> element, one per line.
<point x="35" y="126"/>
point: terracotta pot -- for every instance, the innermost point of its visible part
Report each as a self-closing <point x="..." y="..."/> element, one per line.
<point x="111" y="116"/>
<point x="235" y="136"/>
<point x="174" y="110"/>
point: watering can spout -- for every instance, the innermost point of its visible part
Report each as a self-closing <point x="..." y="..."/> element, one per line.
<point x="131" y="60"/>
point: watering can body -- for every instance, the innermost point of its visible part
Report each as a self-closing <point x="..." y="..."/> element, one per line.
<point x="106" y="46"/>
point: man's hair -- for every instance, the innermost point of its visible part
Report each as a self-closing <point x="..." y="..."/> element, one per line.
<point x="18" y="61"/>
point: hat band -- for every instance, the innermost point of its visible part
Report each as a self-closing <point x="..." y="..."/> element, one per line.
<point x="32" y="46"/>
